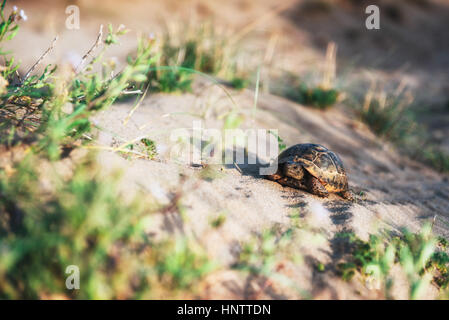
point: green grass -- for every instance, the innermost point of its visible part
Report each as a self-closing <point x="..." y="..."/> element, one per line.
<point x="239" y="83"/>
<point x="144" y="148"/>
<point x="203" y="51"/>
<point x="52" y="128"/>
<point x="264" y="257"/>
<point x="218" y="221"/>
<point x="260" y="256"/>
<point x="179" y="264"/>
<point x="301" y="91"/>
<point x="85" y="221"/>
<point x="150" y="147"/>
<point x="418" y="254"/>
<point x="433" y="156"/>
<point x="82" y="221"/>
<point x="392" y="118"/>
<point x="211" y="172"/>
<point x="51" y="219"/>
<point x="316" y="97"/>
<point x="388" y="118"/>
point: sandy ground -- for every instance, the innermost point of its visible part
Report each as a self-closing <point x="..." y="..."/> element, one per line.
<point x="393" y="191"/>
<point x="397" y="192"/>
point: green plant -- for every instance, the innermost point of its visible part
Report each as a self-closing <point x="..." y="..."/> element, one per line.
<point x="86" y="221"/>
<point x="315" y="97"/>
<point x="203" y="51"/>
<point x="211" y="172"/>
<point x="392" y="117"/>
<point x="281" y="144"/>
<point x="83" y="221"/>
<point x="371" y="258"/>
<point x="260" y="255"/>
<point x="232" y="120"/>
<point x="179" y="263"/>
<point x="264" y="256"/>
<point x="218" y="221"/>
<point x="19" y="103"/>
<point x="239" y="83"/>
<point x="170" y="80"/>
<point x="171" y="74"/>
<point x="51" y="219"/>
<point x="443" y="243"/>
<point x="48" y="122"/>
<point x="301" y="91"/>
<point x="8" y="30"/>
<point x="416" y="253"/>
<point x="320" y="267"/>
<point x="430" y="154"/>
<point x="387" y="117"/>
<point x="89" y="93"/>
<point x="440" y="263"/>
<point x="150" y="147"/>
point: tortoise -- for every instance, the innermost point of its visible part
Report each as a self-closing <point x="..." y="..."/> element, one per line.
<point x="313" y="168"/>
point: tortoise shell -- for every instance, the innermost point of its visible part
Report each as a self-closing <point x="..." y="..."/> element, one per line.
<point x="320" y="162"/>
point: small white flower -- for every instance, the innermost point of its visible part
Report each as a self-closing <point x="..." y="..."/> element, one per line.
<point x="151" y="36"/>
<point x="14" y="9"/>
<point x="23" y="15"/>
<point x="113" y="61"/>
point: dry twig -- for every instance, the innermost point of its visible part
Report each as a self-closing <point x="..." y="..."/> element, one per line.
<point x="91" y="50"/>
<point x="39" y="61"/>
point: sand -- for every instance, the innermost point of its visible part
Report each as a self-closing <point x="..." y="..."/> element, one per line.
<point x="393" y="191"/>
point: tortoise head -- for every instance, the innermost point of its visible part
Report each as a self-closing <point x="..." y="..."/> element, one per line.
<point x="294" y="170"/>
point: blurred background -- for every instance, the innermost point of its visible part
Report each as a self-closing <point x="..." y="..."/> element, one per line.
<point x="411" y="50"/>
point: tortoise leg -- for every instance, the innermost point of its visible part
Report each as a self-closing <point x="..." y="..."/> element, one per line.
<point x="348" y="195"/>
<point x="274" y="177"/>
<point x="278" y="175"/>
<point x="316" y="187"/>
<point x="292" y="183"/>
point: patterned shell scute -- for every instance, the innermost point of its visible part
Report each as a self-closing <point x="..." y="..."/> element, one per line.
<point x="297" y="152"/>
